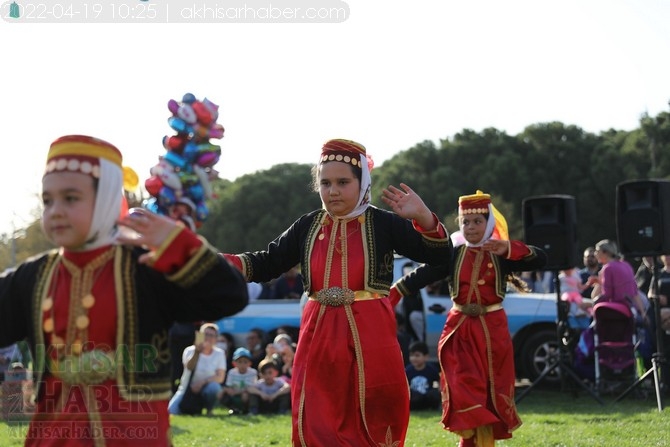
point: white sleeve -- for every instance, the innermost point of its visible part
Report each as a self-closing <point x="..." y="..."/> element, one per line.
<point x="187" y="354"/>
<point x="221" y="361"/>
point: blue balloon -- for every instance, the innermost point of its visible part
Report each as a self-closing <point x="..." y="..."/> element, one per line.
<point x="189" y="98"/>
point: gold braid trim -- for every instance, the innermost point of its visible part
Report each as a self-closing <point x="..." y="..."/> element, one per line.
<point x="44" y="276"/>
<point x="474" y="287"/>
<point x="322" y="310"/>
<point x="434" y="242"/>
<point x="501" y="283"/>
<point x="82" y="283"/>
<point x="125" y="315"/>
<point x="374" y="281"/>
<point x="195" y="268"/>
<point x="126" y="336"/>
<point x="94" y="419"/>
<point x="370" y="254"/>
<point x="167" y="241"/>
<point x="489" y="359"/>
<point x="402" y="288"/>
<point x="247" y="267"/>
<point x="358" y="353"/>
<point x="312" y="234"/>
<point x="458" y="265"/>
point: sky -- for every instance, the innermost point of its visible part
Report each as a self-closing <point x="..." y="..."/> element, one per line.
<point x="389" y="75"/>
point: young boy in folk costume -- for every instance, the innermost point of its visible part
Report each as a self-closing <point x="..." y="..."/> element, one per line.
<point x="96" y="313"/>
<point x="475" y="349"/>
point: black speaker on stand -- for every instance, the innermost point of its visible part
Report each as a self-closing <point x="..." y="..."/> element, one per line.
<point x="643" y="217"/>
<point x="550" y="223"/>
<point x="643" y="229"/>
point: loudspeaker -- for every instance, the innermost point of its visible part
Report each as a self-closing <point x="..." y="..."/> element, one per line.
<point x="550" y="223"/>
<point x="643" y="217"/>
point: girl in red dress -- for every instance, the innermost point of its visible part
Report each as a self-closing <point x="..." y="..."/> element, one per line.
<point x="475" y="349"/>
<point x="348" y="383"/>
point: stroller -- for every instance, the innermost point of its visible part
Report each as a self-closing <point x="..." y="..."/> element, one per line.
<point x="615" y="343"/>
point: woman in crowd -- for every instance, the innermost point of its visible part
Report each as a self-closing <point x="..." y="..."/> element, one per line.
<point x="616" y="280"/>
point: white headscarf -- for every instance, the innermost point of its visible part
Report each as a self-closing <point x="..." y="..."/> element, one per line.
<point x="457" y="237"/>
<point x="107" y="206"/>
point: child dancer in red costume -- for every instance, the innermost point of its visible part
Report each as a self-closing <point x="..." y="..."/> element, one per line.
<point x="348" y="384"/>
<point x="97" y="313"/>
<point x="475" y="349"/>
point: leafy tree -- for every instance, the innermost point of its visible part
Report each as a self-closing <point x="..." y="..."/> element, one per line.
<point x="413" y="167"/>
<point x="656" y="137"/>
<point x="28" y="242"/>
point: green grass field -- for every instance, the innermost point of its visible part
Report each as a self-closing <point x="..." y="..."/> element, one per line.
<point x="551" y="419"/>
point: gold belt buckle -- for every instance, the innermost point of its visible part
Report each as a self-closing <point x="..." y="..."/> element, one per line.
<point x="473" y="310"/>
<point x="88" y="368"/>
<point x="335" y="296"/>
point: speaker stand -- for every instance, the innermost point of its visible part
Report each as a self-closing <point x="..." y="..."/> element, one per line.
<point x="658" y="358"/>
<point x="563" y="359"/>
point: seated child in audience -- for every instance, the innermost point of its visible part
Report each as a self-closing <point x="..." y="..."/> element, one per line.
<point x="571" y="291"/>
<point x="423" y="378"/>
<point x="270" y="394"/>
<point x="239" y="379"/>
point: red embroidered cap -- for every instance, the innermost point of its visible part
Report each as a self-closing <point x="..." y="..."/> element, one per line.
<point x="346" y="151"/>
<point x="474" y="203"/>
<point x="81" y="153"/>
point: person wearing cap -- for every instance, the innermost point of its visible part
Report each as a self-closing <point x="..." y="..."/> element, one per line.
<point x="97" y="310"/>
<point x="235" y="393"/>
<point x="475" y="349"/>
<point x="348" y="345"/>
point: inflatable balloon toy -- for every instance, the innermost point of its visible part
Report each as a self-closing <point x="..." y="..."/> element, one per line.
<point x="180" y="183"/>
<point x="132" y="196"/>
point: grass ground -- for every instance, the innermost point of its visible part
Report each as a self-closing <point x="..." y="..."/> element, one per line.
<point x="551" y="419"/>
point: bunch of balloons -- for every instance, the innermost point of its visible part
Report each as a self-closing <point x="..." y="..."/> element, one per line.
<point x="180" y="183"/>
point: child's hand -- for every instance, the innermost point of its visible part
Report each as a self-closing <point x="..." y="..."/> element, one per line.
<point x="406" y="203"/>
<point x="496" y="247"/>
<point x="152" y="229"/>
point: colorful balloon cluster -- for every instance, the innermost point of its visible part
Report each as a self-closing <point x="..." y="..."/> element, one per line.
<point x="181" y="181"/>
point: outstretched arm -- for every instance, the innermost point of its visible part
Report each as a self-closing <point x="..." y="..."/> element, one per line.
<point x="408" y="204"/>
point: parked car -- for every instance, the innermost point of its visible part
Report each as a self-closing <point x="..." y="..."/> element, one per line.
<point x="531" y="318"/>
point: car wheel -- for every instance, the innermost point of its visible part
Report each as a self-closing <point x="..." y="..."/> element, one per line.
<point x="540" y="351"/>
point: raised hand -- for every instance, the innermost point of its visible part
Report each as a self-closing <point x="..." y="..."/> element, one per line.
<point x="406" y="203"/>
<point x="149" y="229"/>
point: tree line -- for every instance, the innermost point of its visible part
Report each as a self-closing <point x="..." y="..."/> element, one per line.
<point x="546" y="158"/>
